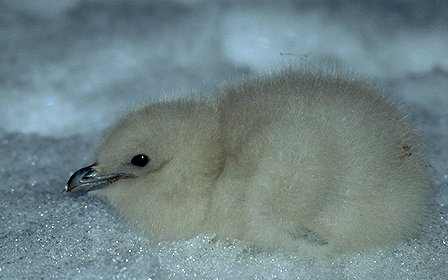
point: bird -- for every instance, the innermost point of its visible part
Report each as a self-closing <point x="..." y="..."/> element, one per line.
<point x="317" y="163"/>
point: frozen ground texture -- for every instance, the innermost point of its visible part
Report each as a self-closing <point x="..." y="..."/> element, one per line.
<point x="69" y="68"/>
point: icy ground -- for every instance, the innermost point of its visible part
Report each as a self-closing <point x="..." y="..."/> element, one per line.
<point x="69" y="68"/>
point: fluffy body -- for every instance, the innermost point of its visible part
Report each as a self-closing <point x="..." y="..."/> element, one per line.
<point x="298" y="161"/>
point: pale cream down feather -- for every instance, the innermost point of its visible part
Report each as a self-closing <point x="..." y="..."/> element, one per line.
<point x="319" y="164"/>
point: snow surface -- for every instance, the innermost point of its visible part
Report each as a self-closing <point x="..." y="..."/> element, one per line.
<point x="70" y="68"/>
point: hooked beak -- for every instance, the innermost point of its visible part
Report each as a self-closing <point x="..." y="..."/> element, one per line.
<point x="90" y="178"/>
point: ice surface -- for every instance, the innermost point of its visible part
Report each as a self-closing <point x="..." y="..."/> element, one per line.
<point x="69" y="68"/>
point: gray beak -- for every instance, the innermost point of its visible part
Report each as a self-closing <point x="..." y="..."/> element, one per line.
<point x="89" y="178"/>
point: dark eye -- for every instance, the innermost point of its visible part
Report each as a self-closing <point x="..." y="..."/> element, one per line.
<point x="140" y="160"/>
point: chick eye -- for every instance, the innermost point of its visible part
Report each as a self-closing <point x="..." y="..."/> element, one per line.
<point x="140" y="160"/>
